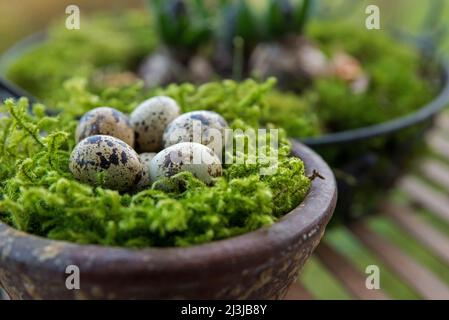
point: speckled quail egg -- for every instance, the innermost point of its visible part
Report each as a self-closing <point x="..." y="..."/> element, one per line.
<point x="205" y="127"/>
<point x="196" y="158"/>
<point x="149" y="121"/>
<point x="145" y="159"/>
<point x="105" y="121"/>
<point x="106" y="161"/>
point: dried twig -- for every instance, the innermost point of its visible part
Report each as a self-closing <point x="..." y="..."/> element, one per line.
<point x="316" y="174"/>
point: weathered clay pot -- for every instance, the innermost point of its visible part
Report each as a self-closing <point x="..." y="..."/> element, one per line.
<point x="257" y="265"/>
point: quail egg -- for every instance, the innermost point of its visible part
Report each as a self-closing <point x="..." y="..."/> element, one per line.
<point x="149" y="121"/>
<point x="105" y="121"/>
<point x="196" y="158"/>
<point x="106" y="161"/>
<point x="205" y="127"/>
<point x="145" y="159"/>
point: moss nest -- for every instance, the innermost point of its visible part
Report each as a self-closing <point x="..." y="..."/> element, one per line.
<point x="39" y="195"/>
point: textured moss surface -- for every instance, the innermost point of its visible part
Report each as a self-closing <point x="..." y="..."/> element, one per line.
<point x="400" y="83"/>
<point x="39" y="195"/>
<point x="106" y="42"/>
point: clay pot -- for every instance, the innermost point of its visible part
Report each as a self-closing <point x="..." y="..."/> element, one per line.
<point x="257" y="265"/>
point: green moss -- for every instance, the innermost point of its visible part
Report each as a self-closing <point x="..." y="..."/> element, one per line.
<point x="113" y="41"/>
<point x="397" y="86"/>
<point x="293" y="113"/>
<point x="39" y="195"/>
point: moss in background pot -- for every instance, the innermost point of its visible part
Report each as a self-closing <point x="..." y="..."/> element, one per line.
<point x="39" y="195"/>
<point x="110" y="49"/>
<point x="400" y="81"/>
<point x="106" y="44"/>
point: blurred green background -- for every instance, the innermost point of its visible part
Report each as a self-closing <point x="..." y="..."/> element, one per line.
<point x="21" y="18"/>
<point x="24" y="17"/>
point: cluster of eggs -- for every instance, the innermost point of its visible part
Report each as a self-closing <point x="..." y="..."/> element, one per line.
<point x="108" y="143"/>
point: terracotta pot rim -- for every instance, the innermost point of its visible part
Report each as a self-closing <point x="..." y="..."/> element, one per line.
<point x="310" y="217"/>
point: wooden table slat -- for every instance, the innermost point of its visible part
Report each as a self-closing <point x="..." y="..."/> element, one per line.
<point x="425" y="196"/>
<point x="439" y="144"/>
<point x="351" y="278"/>
<point x="424" y="233"/>
<point x="443" y="122"/>
<point x="436" y="171"/>
<point x="411" y="272"/>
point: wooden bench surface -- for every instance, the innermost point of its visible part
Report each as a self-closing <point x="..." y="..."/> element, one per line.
<point x="421" y="214"/>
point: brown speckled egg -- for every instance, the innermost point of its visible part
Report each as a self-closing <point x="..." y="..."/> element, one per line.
<point x="145" y="159"/>
<point x="205" y="127"/>
<point x="106" y="161"/>
<point x="105" y="121"/>
<point x="196" y="158"/>
<point x="149" y="121"/>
